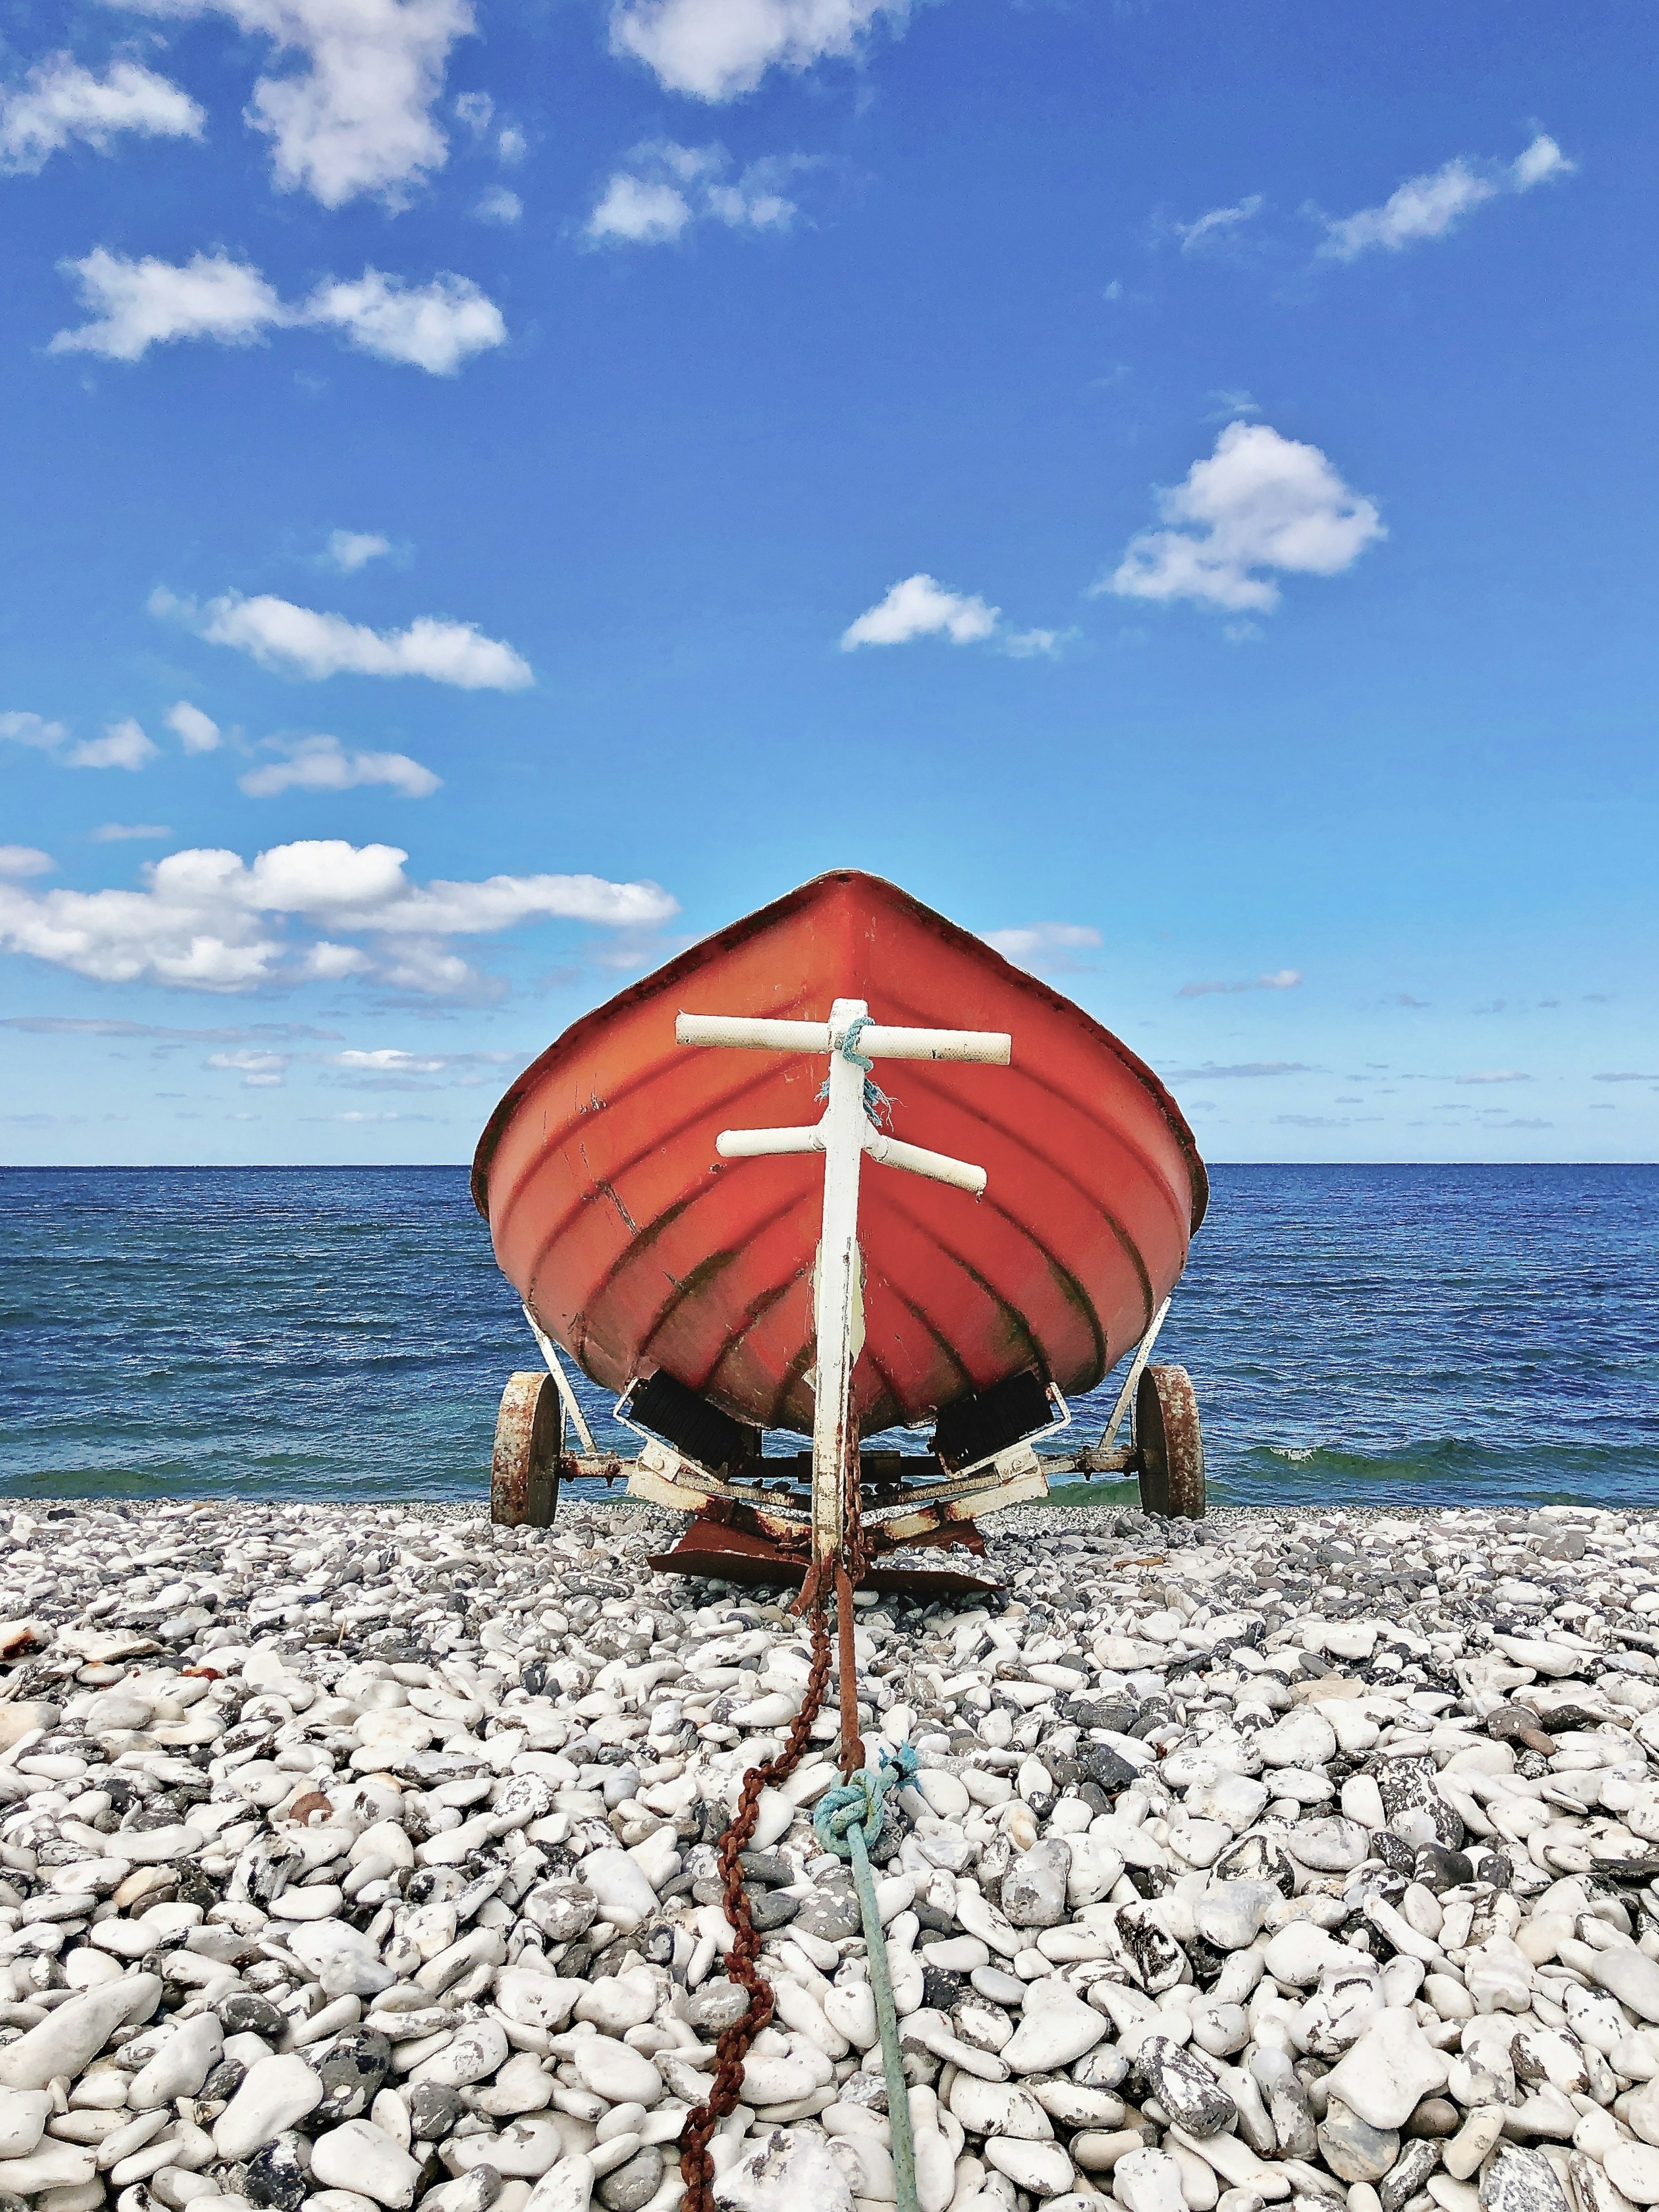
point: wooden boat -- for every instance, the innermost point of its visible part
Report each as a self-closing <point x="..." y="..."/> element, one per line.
<point x="676" y="1267"/>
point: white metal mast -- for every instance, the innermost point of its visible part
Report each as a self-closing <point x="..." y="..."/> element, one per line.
<point x="844" y="1135"/>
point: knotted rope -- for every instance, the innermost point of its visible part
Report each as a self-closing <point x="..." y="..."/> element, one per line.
<point x="876" y="1104"/>
<point x="847" y="1820"/>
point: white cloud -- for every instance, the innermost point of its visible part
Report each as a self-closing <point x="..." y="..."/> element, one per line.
<point x="358" y="119"/>
<point x="138" y="304"/>
<point x="387" y="1067"/>
<point x="259" y="1070"/>
<point x="118" y="833"/>
<point x="716" y="49"/>
<point x="434" y="326"/>
<point x="1539" y="164"/>
<point x="1029" y="644"/>
<point x="357" y="1116"/>
<point x="32" y="729"/>
<point x="163" y="1038"/>
<point x="19" y="861"/>
<point x="351" y="549"/>
<point x="474" y="109"/>
<point x="123" y="745"/>
<point x="299" y="642"/>
<point x="667" y="187"/>
<point x="1044" y="944"/>
<point x="208" y="920"/>
<point x="1429" y="206"/>
<point x="1244" y="1069"/>
<point x="499" y="205"/>
<point x="197" y="732"/>
<point x="921" y="607"/>
<point x="1259" y="501"/>
<point x="1283" y="979"/>
<point x="324" y="764"/>
<point x="60" y="101"/>
<point x="1496" y="1075"/>
<point x="511" y="147"/>
<point x="389" y="1059"/>
<point x="1219" y="225"/>
<point x="637" y="214"/>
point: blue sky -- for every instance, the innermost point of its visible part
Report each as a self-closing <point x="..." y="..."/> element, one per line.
<point x="492" y="492"/>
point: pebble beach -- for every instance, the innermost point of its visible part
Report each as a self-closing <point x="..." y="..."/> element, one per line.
<point x="363" y="1857"/>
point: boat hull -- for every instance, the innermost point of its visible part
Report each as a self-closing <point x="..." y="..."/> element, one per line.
<point x="636" y="1248"/>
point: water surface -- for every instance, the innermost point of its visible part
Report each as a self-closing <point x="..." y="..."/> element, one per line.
<point x="1382" y="1335"/>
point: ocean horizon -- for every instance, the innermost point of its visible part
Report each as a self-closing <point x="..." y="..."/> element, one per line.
<point x="1392" y="1335"/>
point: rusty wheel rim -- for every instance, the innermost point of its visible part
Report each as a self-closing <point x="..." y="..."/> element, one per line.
<point x="524" y="1474"/>
<point x="1172" y="1444"/>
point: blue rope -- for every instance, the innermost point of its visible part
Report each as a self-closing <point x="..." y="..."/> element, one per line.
<point x="847" y="1820"/>
<point x="876" y="1104"/>
<point x="856" y="1803"/>
<point x="849" y="1043"/>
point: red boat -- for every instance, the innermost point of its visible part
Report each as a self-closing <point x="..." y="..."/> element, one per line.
<point x="678" y="1267"/>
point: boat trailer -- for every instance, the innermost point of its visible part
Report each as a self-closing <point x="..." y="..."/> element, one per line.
<point x="763" y="1519"/>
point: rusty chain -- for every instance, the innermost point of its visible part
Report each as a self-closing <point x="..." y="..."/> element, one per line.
<point x="697" y="2166"/>
<point x="849" y="1572"/>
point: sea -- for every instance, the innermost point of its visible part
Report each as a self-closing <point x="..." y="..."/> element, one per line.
<point x="1372" y="1335"/>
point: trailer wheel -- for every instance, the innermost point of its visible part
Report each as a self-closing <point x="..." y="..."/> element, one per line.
<point x="1171" y="1444"/>
<point x="524" y="1474"/>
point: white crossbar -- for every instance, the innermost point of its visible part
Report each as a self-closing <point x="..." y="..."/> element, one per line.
<point x="757" y="1035"/>
<point x="760" y="1143"/>
<point x="992" y="1046"/>
<point x="937" y="1167"/>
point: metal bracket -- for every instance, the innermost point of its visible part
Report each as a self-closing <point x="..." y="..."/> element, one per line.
<point x="1037" y="1437"/>
<point x="1131" y="1381"/>
<point x="1012" y="1461"/>
<point x="561" y="1380"/>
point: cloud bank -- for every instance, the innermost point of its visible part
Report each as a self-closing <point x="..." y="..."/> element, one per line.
<point x="208" y="921"/>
